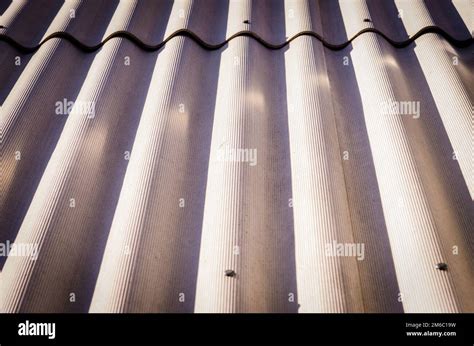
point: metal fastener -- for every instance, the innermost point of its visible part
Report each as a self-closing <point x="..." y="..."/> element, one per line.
<point x="230" y="273"/>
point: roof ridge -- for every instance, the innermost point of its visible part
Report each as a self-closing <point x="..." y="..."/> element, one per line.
<point x="190" y="34"/>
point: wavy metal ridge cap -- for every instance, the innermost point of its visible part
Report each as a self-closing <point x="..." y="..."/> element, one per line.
<point x="190" y="34"/>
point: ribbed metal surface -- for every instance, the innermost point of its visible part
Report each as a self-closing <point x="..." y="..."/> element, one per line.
<point x="226" y="180"/>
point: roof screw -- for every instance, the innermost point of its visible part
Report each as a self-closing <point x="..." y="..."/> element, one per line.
<point x="367" y="20"/>
<point x="246" y="21"/>
<point x="442" y="266"/>
<point x="230" y="273"/>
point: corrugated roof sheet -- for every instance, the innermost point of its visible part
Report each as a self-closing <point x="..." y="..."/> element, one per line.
<point x="242" y="179"/>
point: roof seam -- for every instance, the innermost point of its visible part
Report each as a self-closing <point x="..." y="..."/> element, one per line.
<point x="208" y="46"/>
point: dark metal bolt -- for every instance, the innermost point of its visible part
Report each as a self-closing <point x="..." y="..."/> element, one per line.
<point x="246" y="21"/>
<point x="230" y="273"/>
<point x="442" y="266"/>
<point x="367" y="20"/>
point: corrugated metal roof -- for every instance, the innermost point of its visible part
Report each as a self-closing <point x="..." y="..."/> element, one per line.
<point x="241" y="179"/>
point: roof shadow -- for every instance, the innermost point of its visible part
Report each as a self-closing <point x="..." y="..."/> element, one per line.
<point x="36" y="140"/>
<point x="368" y="222"/>
<point x="180" y="267"/>
<point x="441" y="176"/>
<point x="107" y="173"/>
<point x="278" y="185"/>
<point x="39" y="15"/>
<point x="446" y="16"/>
<point x="4" y="5"/>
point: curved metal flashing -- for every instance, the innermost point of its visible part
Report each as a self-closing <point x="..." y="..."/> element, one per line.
<point x="208" y="46"/>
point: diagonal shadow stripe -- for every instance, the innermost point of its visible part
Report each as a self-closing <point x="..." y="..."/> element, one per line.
<point x="187" y="33"/>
